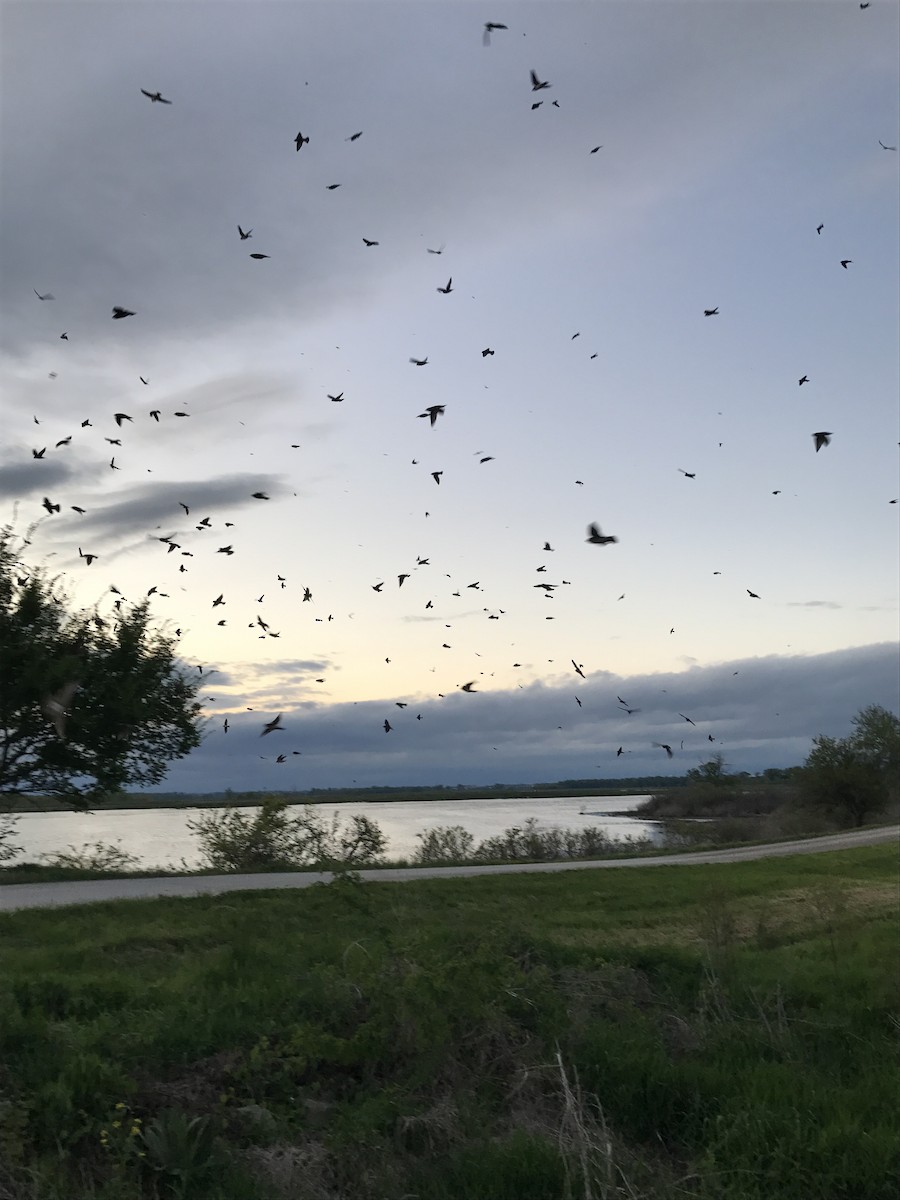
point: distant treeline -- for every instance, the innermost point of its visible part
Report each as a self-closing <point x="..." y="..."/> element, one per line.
<point x="637" y="785"/>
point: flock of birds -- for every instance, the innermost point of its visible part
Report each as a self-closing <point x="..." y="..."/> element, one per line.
<point x="58" y="707"/>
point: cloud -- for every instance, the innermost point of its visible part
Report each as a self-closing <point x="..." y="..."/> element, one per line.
<point x="761" y="712"/>
<point x="813" y="604"/>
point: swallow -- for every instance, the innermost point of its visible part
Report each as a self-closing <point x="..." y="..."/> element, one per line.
<point x="433" y="412"/>
<point x="688" y="719"/>
<point x="387" y="726"/>
<point x="430" y="251"/>
<point x="354" y="136"/>
<point x="220" y="599"/>
<point x="46" y="295"/>
<point x="880" y="142"/>
<point x="332" y="186"/>
<point x="89" y="558"/>
<point x="487" y="458"/>
<point x="447" y="289"/>
<point x="244" y="235"/>
<point x="709" y="312"/>
<point x="335" y="399"/>
<point x="470" y="686"/>
<point x="619" y="751"/>
<point x="273" y="726"/>
<point x="370" y="243"/>
<point x="536" y="85"/>
<point x="819" y="228"/>
<point x="574" y="336"/>
<point x="50" y="507"/>
<point x="154" y="413"/>
<point x="547" y="587"/>
<point x="113" y="441"/>
<point x="260" y="496"/>
<point x="299" y="140"/>
<point x="119" y="313"/>
<point x="80" y="511"/>
<point x="578" y="670"/>
<point x="260" y="256"/>
<point x="376" y="587"/>
<point x="400" y="579"/>
<point x="63" y="337"/>
<point x="120" y="417"/>
<point x="156" y="97"/>
<point x="486" y="351"/>
<point x="822" y="438"/>
<point x="418" y="362"/>
<point x="307" y="595"/>
<point x="281" y="758"/>
<point x="226" y="726"/>
<point x="688" y="474"/>
<point x="56" y="707"/>
<point x="753" y="595"/>
<point x="39" y="453"/>
<point x="489" y="27"/>
<point x="845" y="262"/>
<point x="663" y="746"/>
<point x="804" y="379"/>
<point x="436" y="476"/>
<point x="547" y="546"/>
<point x="629" y="711"/>
<point x="143" y="380"/>
<point x="596" y="538"/>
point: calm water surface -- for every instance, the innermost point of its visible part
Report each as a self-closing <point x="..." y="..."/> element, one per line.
<point x="160" y="837"/>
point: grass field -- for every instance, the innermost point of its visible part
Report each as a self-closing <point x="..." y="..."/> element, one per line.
<point x="718" y="1032"/>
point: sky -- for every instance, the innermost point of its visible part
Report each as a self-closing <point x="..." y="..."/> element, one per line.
<point x="680" y="160"/>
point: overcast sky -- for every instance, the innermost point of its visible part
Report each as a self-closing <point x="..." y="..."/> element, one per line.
<point x="727" y="134"/>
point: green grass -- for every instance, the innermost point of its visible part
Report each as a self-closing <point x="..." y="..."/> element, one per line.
<point x="720" y="1032"/>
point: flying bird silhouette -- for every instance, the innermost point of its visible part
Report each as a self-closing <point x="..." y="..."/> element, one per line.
<point x="119" y="313"/>
<point x="447" y="289"/>
<point x="536" y="84"/>
<point x="56" y="707"/>
<point x="845" y="262"/>
<point x="752" y="595"/>
<point x="489" y="27"/>
<point x="710" y="312"/>
<point x="433" y="412"/>
<point x="663" y="746"/>
<point x="46" y="295"/>
<point x="822" y="438"/>
<point x="418" y="362"/>
<point x="804" y="379"/>
<point x="597" y="538"/>
<point x="156" y="97"/>
<point x="244" y="235"/>
<point x="880" y="142"/>
<point x="273" y="726"/>
<point x="299" y="140"/>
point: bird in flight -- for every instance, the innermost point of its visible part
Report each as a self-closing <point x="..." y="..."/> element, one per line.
<point x="845" y="262"/>
<point x="536" y="84"/>
<point x="332" y="187"/>
<point x="119" y="313"/>
<point x="39" y="453"/>
<point x="880" y="142"/>
<point x="368" y="242"/>
<point x="335" y="399"/>
<point x="805" y="379"/>
<point x="436" y="476"/>
<point x="63" y="337"/>
<point x="46" y="295"/>
<point x="50" y="507"/>
<point x="244" y="235"/>
<point x="819" y="228"/>
<point x="663" y="746"/>
<point x="430" y="251"/>
<point x="470" y="686"/>
<point x="752" y="595"/>
<point x="260" y="256"/>
<point x="578" y="670"/>
<point x="299" y="140"/>
<point x="156" y="97"/>
<point x="354" y="136"/>
<point x="448" y="289"/>
<point x="433" y="412"/>
<point x="486" y="351"/>
<point x="822" y="438"/>
<point x="387" y="726"/>
<point x="710" y="312"/>
<point x="143" y="380"/>
<point x="273" y="726"/>
<point x="120" y="417"/>
<point x="595" y="149"/>
<point x="688" y="719"/>
<point x="597" y="538"/>
<point x="56" y="707"/>
<point x="688" y="474"/>
<point x="400" y="579"/>
<point x="418" y="362"/>
<point x="489" y="27"/>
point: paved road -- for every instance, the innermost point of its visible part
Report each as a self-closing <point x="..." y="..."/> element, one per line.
<point x="49" y="895"/>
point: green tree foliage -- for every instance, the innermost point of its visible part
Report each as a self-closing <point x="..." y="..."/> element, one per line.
<point x="87" y="704"/>
<point x="711" y="772"/>
<point x="853" y="777"/>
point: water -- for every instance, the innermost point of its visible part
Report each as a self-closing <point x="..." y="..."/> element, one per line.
<point x="160" y="837"/>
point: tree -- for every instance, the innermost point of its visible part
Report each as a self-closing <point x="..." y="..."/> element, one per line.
<point x="87" y="704"/>
<point x="711" y="772"/>
<point x="853" y="777"/>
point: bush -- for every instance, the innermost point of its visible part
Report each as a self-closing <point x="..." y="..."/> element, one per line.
<point x="272" y="838"/>
<point x="527" y="843"/>
<point x="443" y="844"/>
<point x="93" y="856"/>
<point x="7" y="832"/>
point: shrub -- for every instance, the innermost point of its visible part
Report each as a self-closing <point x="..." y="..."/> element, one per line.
<point x="274" y="838"/>
<point x="93" y="856"/>
<point x="7" y="832"/>
<point x="444" y="843"/>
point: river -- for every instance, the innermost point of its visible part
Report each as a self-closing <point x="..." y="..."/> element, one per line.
<point x="160" y="837"/>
